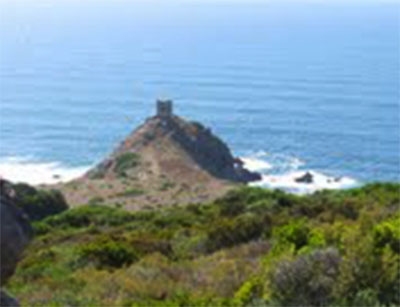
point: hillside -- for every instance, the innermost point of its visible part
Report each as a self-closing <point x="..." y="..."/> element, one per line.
<point x="165" y="161"/>
<point x="253" y="247"/>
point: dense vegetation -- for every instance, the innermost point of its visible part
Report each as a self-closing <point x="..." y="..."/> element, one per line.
<point x="253" y="247"/>
<point x="38" y="204"/>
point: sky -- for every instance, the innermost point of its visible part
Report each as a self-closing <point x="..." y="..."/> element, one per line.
<point x="11" y="9"/>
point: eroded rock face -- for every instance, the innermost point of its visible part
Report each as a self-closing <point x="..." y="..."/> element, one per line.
<point x="16" y="233"/>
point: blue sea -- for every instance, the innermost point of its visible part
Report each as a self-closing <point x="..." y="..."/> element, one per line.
<point x="291" y="87"/>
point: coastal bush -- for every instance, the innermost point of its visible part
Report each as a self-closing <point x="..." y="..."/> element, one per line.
<point x="296" y="233"/>
<point x="187" y="245"/>
<point x="248" y="293"/>
<point x="369" y="277"/>
<point x="38" y="204"/>
<point x="174" y="219"/>
<point x="306" y="281"/>
<point x="97" y="200"/>
<point x="167" y="185"/>
<point x="242" y="229"/>
<point x="149" y="245"/>
<point x="35" y="266"/>
<point x="125" y="162"/>
<point x="387" y="233"/>
<point x="85" y="216"/>
<point x="130" y="192"/>
<point x="253" y="247"/>
<point x="230" y="206"/>
<point x="105" y="252"/>
<point x="243" y="197"/>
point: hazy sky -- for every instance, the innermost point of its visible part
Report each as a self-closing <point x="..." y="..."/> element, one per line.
<point x="9" y="9"/>
<point x="23" y="18"/>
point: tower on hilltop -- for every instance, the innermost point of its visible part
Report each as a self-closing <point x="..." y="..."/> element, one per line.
<point x="164" y="108"/>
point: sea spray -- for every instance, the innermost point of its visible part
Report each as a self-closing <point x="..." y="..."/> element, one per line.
<point x="280" y="171"/>
<point x="26" y="170"/>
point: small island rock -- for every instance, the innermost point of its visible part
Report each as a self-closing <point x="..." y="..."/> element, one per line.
<point x="306" y="178"/>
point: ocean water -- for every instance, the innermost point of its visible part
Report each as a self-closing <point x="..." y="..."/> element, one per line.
<point x="291" y="87"/>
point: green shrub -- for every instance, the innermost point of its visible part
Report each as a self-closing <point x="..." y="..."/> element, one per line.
<point x="105" y="252"/>
<point x="38" y="204"/>
<point x="36" y="265"/>
<point x="130" y="192"/>
<point x="387" y="233"/>
<point x="166" y="185"/>
<point x="187" y="245"/>
<point x="95" y="200"/>
<point x="285" y="200"/>
<point x="145" y="246"/>
<point x="249" y="292"/>
<point x="235" y="201"/>
<point x="85" y="216"/>
<point x="296" y="232"/>
<point x="242" y="229"/>
<point x="231" y="209"/>
<point x="174" y="218"/>
<point x="125" y="162"/>
<point x="368" y="269"/>
<point x="367" y="297"/>
<point x="307" y="281"/>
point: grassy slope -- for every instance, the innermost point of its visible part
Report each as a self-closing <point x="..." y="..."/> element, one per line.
<point x="252" y="247"/>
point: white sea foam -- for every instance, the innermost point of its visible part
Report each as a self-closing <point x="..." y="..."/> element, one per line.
<point x="28" y="171"/>
<point x="282" y="172"/>
<point x="278" y="172"/>
<point x="254" y="164"/>
<point x="287" y="182"/>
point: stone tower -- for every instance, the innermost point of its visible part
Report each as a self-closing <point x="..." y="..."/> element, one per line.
<point x="164" y="108"/>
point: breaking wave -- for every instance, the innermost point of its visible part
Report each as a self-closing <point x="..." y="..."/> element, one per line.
<point x="280" y="171"/>
<point x="29" y="171"/>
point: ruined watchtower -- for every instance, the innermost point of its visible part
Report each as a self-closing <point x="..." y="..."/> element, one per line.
<point x="164" y="108"/>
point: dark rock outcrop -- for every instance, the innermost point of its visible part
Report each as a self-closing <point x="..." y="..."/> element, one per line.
<point x="210" y="152"/>
<point x="306" y="178"/>
<point x="16" y="233"/>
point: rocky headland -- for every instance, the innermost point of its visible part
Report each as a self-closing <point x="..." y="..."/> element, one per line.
<point x="167" y="160"/>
